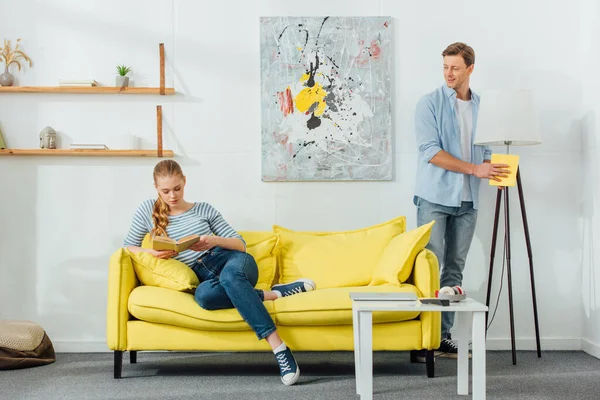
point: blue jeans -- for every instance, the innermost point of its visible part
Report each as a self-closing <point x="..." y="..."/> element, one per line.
<point x="227" y="280"/>
<point x="450" y="241"/>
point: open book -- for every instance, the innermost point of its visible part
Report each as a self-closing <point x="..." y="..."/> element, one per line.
<point x="166" y="243"/>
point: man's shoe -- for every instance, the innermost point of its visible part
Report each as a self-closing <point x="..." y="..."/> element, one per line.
<point x="288" y="368"/>
<point x="298" y="286"/>
<point x="447" y="349"/>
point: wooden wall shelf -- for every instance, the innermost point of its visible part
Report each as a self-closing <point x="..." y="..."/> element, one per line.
<point x="162" y="90"/>
<point x="86" y="90"/>
<point x="79" y="152"/>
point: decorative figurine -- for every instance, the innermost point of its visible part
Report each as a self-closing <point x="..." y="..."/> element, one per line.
<point x="48" y="138"/>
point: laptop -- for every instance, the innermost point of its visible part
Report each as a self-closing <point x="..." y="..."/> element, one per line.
<point x="379" y="296"/>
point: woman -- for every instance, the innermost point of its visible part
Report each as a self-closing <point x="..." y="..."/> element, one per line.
<point x="226" y="272"/>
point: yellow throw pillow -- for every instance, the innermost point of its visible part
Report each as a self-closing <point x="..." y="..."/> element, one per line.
<point x="396" y="263"/>
<point x="169" y="274"/>
<point x="147" y="242"/>
<point x="264" y="253"/>
<point x="335" y="259"/>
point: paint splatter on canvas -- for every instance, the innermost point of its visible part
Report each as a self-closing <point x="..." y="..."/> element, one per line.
<point x="326" y="98"/>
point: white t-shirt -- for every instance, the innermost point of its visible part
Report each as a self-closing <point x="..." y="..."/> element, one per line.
<point x="464" y="112"/>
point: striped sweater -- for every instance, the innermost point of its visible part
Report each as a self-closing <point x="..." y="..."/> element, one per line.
<point x="201" y="219"/>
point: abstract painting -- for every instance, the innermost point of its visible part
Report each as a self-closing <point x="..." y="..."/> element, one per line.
<point x="326" y="98"/>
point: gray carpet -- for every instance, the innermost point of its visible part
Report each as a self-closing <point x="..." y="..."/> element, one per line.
<point x="557" y="375"/>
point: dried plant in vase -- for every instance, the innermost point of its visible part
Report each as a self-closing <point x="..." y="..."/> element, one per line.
<point x="122" y="80"/>
<point x="11" y="56"/>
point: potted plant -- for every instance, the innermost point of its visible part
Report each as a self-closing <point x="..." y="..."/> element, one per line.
<point x="11" y="56"/>
<point x="122" y="78"/>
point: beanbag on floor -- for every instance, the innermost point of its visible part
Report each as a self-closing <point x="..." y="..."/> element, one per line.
<point x="24" y="344"/>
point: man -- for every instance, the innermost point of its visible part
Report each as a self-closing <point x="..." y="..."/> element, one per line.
<point x="449" y="171"/>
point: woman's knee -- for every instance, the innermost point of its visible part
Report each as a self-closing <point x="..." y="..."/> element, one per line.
<point x="205" y="299"/>
<point x="239" y="266"/>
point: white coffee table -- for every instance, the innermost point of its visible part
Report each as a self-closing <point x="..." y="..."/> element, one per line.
<point x="468" y="313"/>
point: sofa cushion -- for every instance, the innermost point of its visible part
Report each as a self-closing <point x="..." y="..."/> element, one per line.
<point x="171" y="307"/>
<point x="334" y="259"/>
<point x="261" y="246"/>
<point x="170" y="274"/>
<point x="334" y="307"/>
<point x="398" y="258"/>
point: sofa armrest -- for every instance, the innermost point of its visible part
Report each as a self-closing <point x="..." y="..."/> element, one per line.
<point x="121" y="281"/>
<point x="426" y="273"/>
<point x="426" y="277"/>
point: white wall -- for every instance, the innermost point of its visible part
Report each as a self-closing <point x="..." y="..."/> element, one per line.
<point x="590" y="199"/>
<point x="63" y="217"/>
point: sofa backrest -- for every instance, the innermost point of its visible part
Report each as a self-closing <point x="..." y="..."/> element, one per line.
<point x="334" y="259"/>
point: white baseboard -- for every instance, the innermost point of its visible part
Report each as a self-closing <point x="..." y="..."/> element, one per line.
<point x="530" y="344"/>
<point x="80" y="347"/>
<point x="491" y="344"/>
<point x="591" y="348"/>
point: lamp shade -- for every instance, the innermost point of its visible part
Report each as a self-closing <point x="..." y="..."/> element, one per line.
<point x="507" y="117"/>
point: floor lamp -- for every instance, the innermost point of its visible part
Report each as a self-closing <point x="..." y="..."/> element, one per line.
<point x="507" y="118"/>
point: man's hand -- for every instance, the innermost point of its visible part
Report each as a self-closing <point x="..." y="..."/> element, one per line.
<point x="163" y="254"/>
<point x="205" y="243"/>
<point x="491" y="171"/>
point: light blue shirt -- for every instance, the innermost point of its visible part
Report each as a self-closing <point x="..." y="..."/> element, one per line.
<point x="437" y="128"/>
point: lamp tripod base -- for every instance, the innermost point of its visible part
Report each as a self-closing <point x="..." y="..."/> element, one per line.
<point x="503" y="192"/>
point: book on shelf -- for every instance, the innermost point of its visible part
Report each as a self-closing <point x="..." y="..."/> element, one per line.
<point x="166" y="243"/>
<point x="77" y="82"/>
<point x="88" y="146"/>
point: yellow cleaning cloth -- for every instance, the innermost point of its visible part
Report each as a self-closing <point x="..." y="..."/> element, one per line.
<point x="513" y="162"/>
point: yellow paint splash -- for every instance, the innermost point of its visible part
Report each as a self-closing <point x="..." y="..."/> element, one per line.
<point x="309" y="96"/>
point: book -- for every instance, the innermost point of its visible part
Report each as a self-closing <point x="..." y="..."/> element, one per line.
<point x="513" y="162"/>
<point x="166" y="243"/>
<point x="76" y="85"/>
<point x="77" y="82"/>
<point x="88" y="146"/>
<point x="379" y="296"/>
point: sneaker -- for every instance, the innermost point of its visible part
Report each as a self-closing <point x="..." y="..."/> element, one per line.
<point x="288" y="368"/>
<point x="298" y="286"/>
<point x="447" y="349"/>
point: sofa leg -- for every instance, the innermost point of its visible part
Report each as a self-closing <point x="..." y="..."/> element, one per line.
<point x="118" y="364"/>
<point x="413" y="356"/>
<point x="133" y="357"/>
<point x="429" y="363"/>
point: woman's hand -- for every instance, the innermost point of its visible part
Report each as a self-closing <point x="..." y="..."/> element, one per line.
<point x="205" y="243"/>
<point x="163" y="254"/>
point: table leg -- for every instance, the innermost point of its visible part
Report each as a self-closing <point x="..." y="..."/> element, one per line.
<point x="463" y="320"/>
<point x="366" y="354"/>
<point x="356" y="329"/>
<point x="479" y="366"/>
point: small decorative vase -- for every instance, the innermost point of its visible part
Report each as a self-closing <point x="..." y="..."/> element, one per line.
<point x="6" y="79"/>
<point x="122" y="81"/>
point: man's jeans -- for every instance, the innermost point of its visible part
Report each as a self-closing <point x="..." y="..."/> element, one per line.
<point x="227" y="280"/>
<point x="450" y="241"/>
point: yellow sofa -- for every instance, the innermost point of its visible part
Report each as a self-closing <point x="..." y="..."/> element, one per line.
<point x="379" y="258"/>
